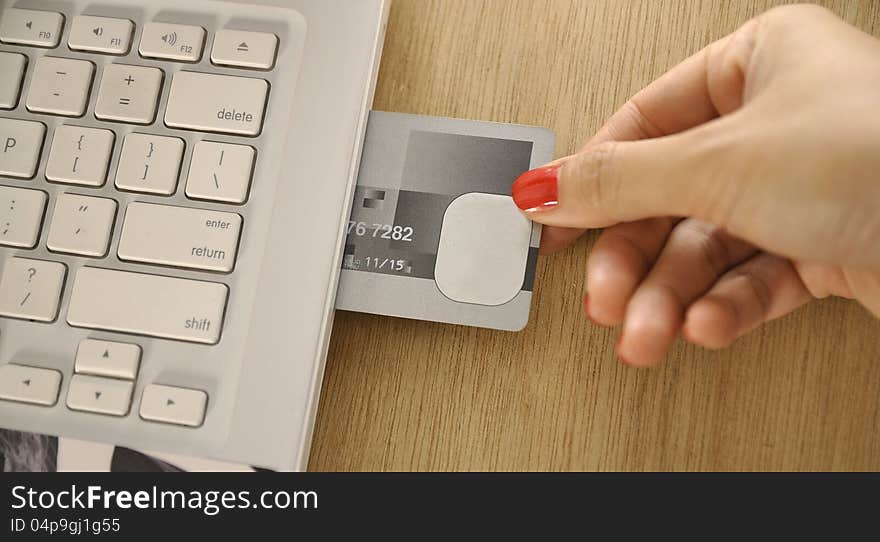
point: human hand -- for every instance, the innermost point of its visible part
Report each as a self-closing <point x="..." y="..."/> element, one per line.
<point x="735" y="188"/>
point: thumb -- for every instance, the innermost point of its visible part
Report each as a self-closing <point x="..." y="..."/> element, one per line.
<point x="675" y="175"/>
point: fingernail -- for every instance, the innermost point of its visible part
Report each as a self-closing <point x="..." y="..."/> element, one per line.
<point x="537" y="190"/>
<point x="620" y="359"/>
<point x="686" y="334"/>
<point x="587" y="308"/>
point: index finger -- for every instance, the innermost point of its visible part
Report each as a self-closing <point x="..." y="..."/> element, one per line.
<point x="692" y="93"/>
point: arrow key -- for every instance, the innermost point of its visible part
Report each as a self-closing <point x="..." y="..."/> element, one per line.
<point x="100" y="395"/>
<point x="170" y="404"/>
<point x="108" y="358"/>
<point x="29" y="384"/>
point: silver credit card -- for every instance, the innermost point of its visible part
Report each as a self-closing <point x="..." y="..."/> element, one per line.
<point x="434" y="234"/>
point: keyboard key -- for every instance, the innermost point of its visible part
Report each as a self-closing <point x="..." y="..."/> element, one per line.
<point x="100" y="35"/>
<point x="31" y="289"/>
<point x="165" y="307"/>
<point x="100" y="395"/>
<point x="129" y="94"/>
<point x="108" y="358"/>
<point x="216" y="103"/>
<point x="21" y="217"/>
<point x="21" y="142"/>
<point x="31" y="27"/>
<point x="12" y="67"/>
<point x="172" y="42"/>
<point x="180" y="237"/>
<point x="60" y="86"/>
<point x="80" y="155"/>
<point x="169" y="404"/>
<point x="81" y="225"/>
<point x="220" y="172"/>
<point x="29" y="384"/>
<point x="244" y="49"/>
<point x="149" y="164"/>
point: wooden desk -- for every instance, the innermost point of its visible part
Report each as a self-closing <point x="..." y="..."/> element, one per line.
<point x="801" y="393"/>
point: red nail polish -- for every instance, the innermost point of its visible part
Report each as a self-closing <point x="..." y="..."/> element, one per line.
<point x="537" y="189"/>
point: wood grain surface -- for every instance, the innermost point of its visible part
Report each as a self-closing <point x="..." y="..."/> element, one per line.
<point x="802" y="393"/>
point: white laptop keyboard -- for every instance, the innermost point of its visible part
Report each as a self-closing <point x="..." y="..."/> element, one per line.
<point x="127" y="157"/>
<point x="174" y="185"/>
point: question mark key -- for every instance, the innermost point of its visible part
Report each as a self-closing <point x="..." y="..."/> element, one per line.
<point x="31" y="289"/>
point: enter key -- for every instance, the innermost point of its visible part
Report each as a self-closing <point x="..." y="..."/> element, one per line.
<point x="180" y="237"/>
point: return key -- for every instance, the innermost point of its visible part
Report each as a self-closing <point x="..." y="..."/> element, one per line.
<point x="180" y="237"/>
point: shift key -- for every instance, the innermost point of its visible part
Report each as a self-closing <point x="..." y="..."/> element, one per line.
<point x="180" y="237"/>
<point x="166" y="307"/>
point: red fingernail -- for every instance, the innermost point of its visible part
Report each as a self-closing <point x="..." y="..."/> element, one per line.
<point x="537" y="189"/>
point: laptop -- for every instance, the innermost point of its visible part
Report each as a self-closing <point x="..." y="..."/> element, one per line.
<point x="175" y="182"/>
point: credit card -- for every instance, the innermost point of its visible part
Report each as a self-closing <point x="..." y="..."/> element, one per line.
<point x="434" y="234"/>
